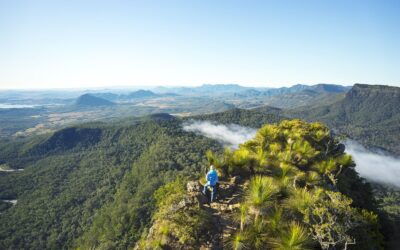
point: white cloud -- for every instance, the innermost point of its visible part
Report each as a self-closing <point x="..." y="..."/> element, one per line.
<point x="373" y="166"/>
<point x="231" y="135"/>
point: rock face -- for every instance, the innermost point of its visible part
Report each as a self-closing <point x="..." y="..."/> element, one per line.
<point x="368" y="104"/>
<point x="193" y="186"/>
<point x="236" y="180"/>
<point x="368" y="114"/>
<point x="194" y="190"/>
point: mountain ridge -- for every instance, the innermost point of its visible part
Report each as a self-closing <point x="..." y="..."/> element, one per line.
<point x="368" y="113"/>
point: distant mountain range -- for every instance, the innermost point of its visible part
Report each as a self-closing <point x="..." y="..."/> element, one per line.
<point x="92" y="101"/>
<point x="245" y="97"/>
<point x="139" y="94"/>
<point x="369" y="114"/>
<point x="204" y="89"/>
<point x="299" y="88"/>
<point x="241" y="91"/>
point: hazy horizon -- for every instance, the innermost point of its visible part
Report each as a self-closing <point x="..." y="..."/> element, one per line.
<point x="116" y="87"/>
<point x="86" y="44"/>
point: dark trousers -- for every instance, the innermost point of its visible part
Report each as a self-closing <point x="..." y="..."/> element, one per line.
<point x="213" y="191"/>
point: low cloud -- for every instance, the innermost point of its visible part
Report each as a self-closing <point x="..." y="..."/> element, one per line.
<point x="373" y="166"/>
<point x="230" y="135"/>
<point x="376" y="167"/>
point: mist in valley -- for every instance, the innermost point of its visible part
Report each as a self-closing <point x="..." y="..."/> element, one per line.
<point x="229" y="135"/>
<point x="375" y="167"/>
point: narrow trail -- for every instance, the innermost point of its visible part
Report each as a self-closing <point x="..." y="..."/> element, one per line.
<point x="223" y="212"/>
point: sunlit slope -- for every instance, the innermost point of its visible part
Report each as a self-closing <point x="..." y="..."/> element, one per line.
<point x="300" y="191"/>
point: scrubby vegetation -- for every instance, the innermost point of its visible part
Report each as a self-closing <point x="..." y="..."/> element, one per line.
<point x="173" y="225"/>
<point x="293" y="199"/>
<point x="298" y="195"/>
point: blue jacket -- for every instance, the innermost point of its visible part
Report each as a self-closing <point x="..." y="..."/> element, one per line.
<point x="212" y="178"/>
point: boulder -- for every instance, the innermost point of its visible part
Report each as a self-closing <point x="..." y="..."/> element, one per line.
<point x="225" y="190"/>
<point x="235" y="199"/>
<point x="193" y="187"/>
<point x="236" y="179"/>
<point x="220" y="207"/>
<point x="202" y="199"/>
<point x="234" y="206"/>
<point x="186" y="202"/>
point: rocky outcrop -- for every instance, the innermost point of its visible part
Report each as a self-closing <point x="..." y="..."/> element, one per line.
<point x="219" y="216"/>
<point x="222" y="210"/>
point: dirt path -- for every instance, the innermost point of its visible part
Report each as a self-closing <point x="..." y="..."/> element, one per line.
<point x="223" y="212"/>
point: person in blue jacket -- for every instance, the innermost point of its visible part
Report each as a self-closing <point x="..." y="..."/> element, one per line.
<point x="212" y="179"/>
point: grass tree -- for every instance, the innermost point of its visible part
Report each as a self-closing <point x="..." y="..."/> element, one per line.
<point x="302" y="199"/>
<point x="328" y="169"/>
<point x="293" y="166"/>
<point x="243" y="216"/>
<point x="275" y="220"/>
<point x="261" y="195"/>
<point x="293" y="237"/>
<point x="258" y="234"/>
<point x="239" y="241"/>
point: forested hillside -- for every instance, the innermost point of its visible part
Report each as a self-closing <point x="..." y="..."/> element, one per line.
<point x="80" y="181"/>
<point x="254" y="118"/>
<point x="368" y="113"/>
<point x="73" y="178"/>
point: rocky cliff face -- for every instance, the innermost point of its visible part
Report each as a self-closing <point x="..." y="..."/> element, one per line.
<point x="368" y="104"/>
<point x="369" y="114"/>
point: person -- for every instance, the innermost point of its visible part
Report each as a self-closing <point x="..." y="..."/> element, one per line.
<point x="212" y="180"/>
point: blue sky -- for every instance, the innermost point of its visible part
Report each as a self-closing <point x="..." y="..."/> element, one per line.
<point x="48" y="44"/>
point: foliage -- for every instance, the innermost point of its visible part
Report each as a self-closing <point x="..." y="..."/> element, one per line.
<point x="295" y="237"/>
<point x="333" y="220"/>
<point x="186" y="225"/>
<point x="261" y="195"/>
<point x="92" y="191"/>
<point x="249" y="118"/>
<point x="388" y="201"/>
<point x="292" y="199"/>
